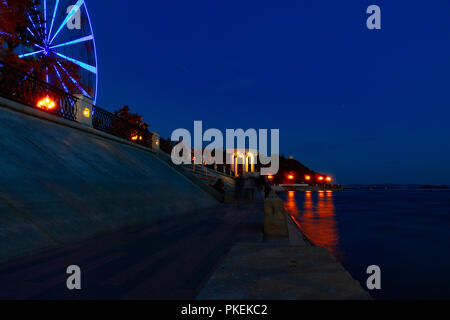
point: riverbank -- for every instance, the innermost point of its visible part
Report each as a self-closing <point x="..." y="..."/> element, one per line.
<point x="288" y="268"/>
<point x="301" y="187"/>
<point x="390" y="228"/>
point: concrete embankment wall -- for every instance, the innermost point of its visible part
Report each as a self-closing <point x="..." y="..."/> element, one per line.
<point x="60" y="184"/>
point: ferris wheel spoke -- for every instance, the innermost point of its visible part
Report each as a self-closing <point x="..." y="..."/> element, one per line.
<point x="73" y="80"/>
<point x="45" y="18"/>
<point x="5" y="34"/>
<point x="32" y="22"/>
<point x="60" y="79"/>
<point x="84" y="39"/>
<point x="69" y="16"/>
<point x="31" y="32"/>
<point x="38" y="16"/>
<point x="54" y="16"/>
<point x="30" y="54"/>
<point x="79" y="63"/>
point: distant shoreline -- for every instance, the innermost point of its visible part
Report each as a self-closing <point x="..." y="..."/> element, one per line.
<point x="395" y="187"/>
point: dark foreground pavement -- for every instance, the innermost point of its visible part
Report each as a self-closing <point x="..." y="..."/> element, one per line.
<point x="166" y="260"/>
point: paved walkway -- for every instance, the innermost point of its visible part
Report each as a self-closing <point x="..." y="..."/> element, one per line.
<point x="265" y="271"/>
<point x="166" y="260"/>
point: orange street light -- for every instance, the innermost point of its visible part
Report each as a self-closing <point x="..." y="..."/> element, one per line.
<point x="291" y="177"/>
<point x="46" y="103"/>
<point x="329" y="179"/>
<point x="308" y="178"/>
<point x="136" y="138"/>
<point x="270" y="177"/>
<point x="321" y="178"/>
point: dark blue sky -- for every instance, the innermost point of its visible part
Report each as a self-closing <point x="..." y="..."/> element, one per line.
<point x="365" y="106"/>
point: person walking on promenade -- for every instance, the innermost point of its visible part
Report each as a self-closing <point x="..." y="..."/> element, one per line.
<point x="267" y="188"/>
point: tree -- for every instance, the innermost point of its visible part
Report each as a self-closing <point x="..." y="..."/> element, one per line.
<point x="137" y="129"/>
<point x="15" y="18"/>
<point x="132" y="118"/>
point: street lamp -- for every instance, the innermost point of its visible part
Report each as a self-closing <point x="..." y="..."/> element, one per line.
<point x="46" y="103"/>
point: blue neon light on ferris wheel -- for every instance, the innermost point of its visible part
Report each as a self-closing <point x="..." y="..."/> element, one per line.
<point x="72" y="12"/>
<point x="46" y="45"/>
<point x="91" y="37"/>
<point x="73" y="80"/>
<point x="60" y="79"/>
<point x="54" y="16"/>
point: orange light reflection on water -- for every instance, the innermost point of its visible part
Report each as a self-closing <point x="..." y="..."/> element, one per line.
<point x="317" y="219"/>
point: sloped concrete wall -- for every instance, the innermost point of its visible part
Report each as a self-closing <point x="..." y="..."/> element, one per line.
<point x="59" y="185"/>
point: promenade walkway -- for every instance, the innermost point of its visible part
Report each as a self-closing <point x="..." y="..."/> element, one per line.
<point x="215" y="253"/>
<point x="170" y="259"/>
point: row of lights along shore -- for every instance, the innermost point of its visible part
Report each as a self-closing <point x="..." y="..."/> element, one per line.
<point x="49" y="104"/>
<point x="309" y="178"/>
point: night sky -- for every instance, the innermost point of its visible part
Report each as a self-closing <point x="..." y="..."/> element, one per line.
<point x="365" y="106"/>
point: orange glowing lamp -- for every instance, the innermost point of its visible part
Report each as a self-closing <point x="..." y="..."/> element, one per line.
<point x="46" y="103"/>
<point x="291" y="177"/>
<point x="307" y="178"/>
<point x="136" y="138"/>
<point x="321" y="178"/>
<point x="329" y="179"/>
<point x="270" y="177"/>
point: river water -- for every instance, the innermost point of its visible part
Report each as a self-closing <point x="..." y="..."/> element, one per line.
<point x="405" y="232"/>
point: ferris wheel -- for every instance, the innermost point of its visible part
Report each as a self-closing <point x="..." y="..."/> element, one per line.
<point x="63" y="41"/>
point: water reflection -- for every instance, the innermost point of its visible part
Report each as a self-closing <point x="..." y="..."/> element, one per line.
<point x="317" y="219"/>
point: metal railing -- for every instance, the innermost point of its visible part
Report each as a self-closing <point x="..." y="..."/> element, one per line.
<point x="110" y="123"/>
<point x="21" y="87"/>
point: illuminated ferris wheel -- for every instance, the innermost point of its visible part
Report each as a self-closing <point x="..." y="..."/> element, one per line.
<point x="63" y="41"/>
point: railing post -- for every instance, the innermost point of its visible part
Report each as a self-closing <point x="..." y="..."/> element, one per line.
<point x="275" y="223"/>
<point x="84" y="110"/>
<point x="155" y="141"/>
